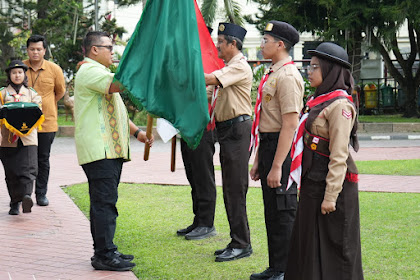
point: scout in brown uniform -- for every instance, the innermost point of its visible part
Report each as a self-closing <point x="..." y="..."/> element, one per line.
<point x="233" y="123"/>
<point x="18" y="154"/>
<point x="199" y="169"/>
<point x="281" y="95"/>
<point x="325" y="241"/>
<point x="48" y="80"/>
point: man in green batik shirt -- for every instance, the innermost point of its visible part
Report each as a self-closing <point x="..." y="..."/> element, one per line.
<point x="102" y="140"/>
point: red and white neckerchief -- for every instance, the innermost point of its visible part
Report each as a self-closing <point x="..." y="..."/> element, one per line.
<point x="257" y="109"/>
<point x="212" y="124"/>
<point x="297" y="146"/>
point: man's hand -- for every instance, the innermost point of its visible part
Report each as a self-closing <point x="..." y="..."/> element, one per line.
<point x="327" y="207"/>
<point x="211" y="79"/>
<point x="254" y="172"/>
<point x="143" y="138"/>
<point x="274" y="177"/>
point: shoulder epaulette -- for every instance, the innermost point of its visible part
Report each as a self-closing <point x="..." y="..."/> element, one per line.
<point x="32" y="89"/>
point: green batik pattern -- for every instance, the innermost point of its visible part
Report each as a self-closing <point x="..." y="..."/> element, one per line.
<point x="116" y="126"/>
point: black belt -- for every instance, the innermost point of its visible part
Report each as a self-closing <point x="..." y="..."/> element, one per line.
<point x="230" y="122"/>
<point x="267" y="136"/>
<point x="317" y="143"/>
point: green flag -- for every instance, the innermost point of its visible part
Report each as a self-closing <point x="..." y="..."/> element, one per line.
<point x="162" y="68"/>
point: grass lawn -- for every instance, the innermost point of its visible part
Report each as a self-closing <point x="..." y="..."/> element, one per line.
<point x="151" y="214"/>
<point x="62" y="120"/>
<point x="397" y="118"/>
<point x="409" y="167"/>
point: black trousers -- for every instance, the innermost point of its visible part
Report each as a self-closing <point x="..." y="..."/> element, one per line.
<point x="45" y="141"/>
<point x="279" y="205"/>
<point x="103" y="177"/>
<point x="234" y="158"/>
<point x="20" y="168"/>
<point x="200" y="174"/>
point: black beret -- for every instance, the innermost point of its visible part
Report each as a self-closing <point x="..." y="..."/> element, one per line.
<point x="332" y="52"/>
<point x="283" y="31"/>
<point x="232" y="30"/>
<point x="210" y="29"/>
<point x="16" y="64"/>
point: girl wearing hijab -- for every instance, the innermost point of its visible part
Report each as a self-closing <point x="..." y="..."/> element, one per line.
<point x="326" y="235"/>
<point x="18" y="147"/>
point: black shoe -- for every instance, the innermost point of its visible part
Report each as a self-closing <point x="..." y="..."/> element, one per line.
<point x="265" y="275"/>
<point x="114" y="264"/>
<point x="220" y="251"/>
<point x="42" y="200"/>
<point x="27" y="203"/>
<point x="14" y="208"/>
<point x="118" y="254"/>
<point x="124" y="256"/>
<point x="201" y="233"/>
<point x="277" y="276"/>
<point x="184" y="231"/>
<point x="231" y="254"/>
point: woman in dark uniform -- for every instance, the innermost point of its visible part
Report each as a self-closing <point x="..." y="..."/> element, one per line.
<point x="18" y="146"/>
<point x="326" y="235"/>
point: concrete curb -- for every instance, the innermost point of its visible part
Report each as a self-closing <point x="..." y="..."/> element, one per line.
<point x="389" y="137"/>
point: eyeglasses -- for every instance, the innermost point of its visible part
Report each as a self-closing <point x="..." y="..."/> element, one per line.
<point x="110" y="48"/>
<point x="311" y="68"/>
<point x="265" y="41"/>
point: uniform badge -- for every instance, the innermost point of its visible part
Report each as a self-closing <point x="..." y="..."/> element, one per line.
<point x="315" y="140"/>
<point x="273" y="83"/>
<point x="313" y="146"/>
<point x="267" y="98"/>
<point x="347" y="114"/>
<point x="24" y="127"/>
<point x="269" y="27"/>
<point x="222" y="27"/>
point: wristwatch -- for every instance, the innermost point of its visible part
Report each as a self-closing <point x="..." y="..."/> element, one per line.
<point x="137" y="132"/>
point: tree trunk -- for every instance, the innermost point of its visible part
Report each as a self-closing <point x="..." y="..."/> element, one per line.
<point x="42" y="8"/>
<point x="355" y="54"/>
<point x="411" y="108"/>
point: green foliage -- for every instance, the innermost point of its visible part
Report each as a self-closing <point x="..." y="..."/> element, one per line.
<point x="308" y="90"/>
<point x="149" y="216"/>
<point x="258" y="70"/>
<point x="349" y="23"/>
<point x="232" y="10"/>
<point x="63" y="23"/>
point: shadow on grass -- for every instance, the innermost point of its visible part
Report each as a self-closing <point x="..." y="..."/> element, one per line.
<point x="151" y="214"/>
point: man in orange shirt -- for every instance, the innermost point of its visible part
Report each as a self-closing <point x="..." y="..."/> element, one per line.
<point x="48" y="80"/>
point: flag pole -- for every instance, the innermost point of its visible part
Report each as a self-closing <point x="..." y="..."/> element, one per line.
<point x="173" y="153"/>
<point x="149" y="135"/>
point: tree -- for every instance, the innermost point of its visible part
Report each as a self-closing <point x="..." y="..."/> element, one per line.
<point x="63" y="23"/>
<point x="352" y="22"/>
<point x="231" y="8"/>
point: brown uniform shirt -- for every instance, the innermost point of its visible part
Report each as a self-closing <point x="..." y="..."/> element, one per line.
<point x="27" y="95"/>
<point x="48" y="82"/>
<point x="234" y="97"/>
<point x="282" y="94"/>
<point x="335" y="123"/>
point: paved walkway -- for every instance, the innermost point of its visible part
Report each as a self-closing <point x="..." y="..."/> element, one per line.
<point x="54" y="242"/>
